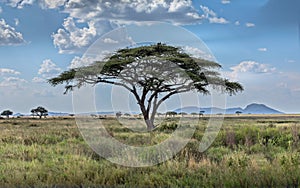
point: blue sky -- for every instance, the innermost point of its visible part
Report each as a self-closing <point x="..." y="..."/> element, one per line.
<point x="257" y="42"/>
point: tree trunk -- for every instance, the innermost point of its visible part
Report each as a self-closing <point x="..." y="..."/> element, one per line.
<point x="150" y="125"/>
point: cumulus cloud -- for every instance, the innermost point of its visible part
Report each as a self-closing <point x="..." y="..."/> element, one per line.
<point x="218" y="20"/>
<point x="38" y="80"/>
<point x="110" y="41"/>
<point x="4" y="71"/>
<point x="71" y="38"/>
<point x="51" y="4"/>
<point x="250" y="67"/>
<point x="198" y="53"/>
<point x="48" y="69"/>
<point x="8" y="35"/>
<point x="12" y="82"/>
<point x="211" y="16"/>
<point x="123" y="11"/>
<point x="80" y="62"/>
<point x="103" y="16"/>
<point x="85" y="61"/>
<point x="19" y="3"/>
<point x="250" y="24"/>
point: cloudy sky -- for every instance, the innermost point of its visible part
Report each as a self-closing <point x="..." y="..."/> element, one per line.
<point x="257" y="42"/>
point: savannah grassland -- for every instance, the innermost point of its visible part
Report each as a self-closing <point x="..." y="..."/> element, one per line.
<point x="250" y="151"/>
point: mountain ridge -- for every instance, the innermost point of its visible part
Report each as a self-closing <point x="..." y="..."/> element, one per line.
<point x="253" y="108"/>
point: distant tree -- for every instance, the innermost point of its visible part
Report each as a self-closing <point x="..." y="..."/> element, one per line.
<point x="40" y="112"/>
<point x="94" y="115"/>
<point x="127" y="114"/>
<point x="194" y="114"/>
<point x="7" y="113"/>
<point x="201" y="113"/>
<point x="118" y="115"/>
<point x="183" y="114"/>
<point x="238" y="113"/>
<point x="152" y="74"/>
<point x="171" y="113"/>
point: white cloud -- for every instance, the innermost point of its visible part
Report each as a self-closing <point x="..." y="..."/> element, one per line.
<point x="211" y="16"/>
<point x="207" y="12"/>
<point x="103" y="16"/>
<point x="48" y="69"/>
<point x="198" y="53"/>
<point x="218" y="20"/>
<point x="38" y="80"/>
<point x="1" y="10"/>
<point x="19" y="3"/>
<point x="4" y="71"/>
<point x="178" y="5"/>
<point x="125" y="11"/>
<point x="17" y="21"/>
<point x="262" y="49"/>
<point x="80" y="62"/>
<point x="71" y="38"/>
<point x="250" y="67"/>
<point x="110" y="41"/>
<point x="52" y="4"/>
<point x="12" y="82"/>
<point x="237" y="23"/>
<point x="194" y="15"/>
<point x="250" y="24"/>
<point x="225" y="1"/>
<point x="85" y="61"/>
<point x="8" y="35"/>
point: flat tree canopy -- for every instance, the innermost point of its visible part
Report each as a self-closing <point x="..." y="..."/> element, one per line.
<point x="152" y="74"/>
<point x="39" y="111"/>
<point x="7" y="113"/>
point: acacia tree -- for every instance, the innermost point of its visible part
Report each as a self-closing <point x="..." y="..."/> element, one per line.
<point x="238" y="112"/>
<point x="152" y="74"/>
<point x="201" y="113"/>
<point x="7" y="113"/>
<point x="40" y="111"/>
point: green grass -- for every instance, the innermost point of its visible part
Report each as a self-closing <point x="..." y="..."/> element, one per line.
<point x="248" y="152"/>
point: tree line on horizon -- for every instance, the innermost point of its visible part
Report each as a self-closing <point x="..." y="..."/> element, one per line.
<point x="39" y="112"/>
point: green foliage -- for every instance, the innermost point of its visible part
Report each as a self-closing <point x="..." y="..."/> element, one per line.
<point x="7" y="113"/>
<point x="40" y="111"/>
<point x="159" y="71"/>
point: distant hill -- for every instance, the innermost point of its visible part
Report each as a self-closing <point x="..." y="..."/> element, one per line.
<point x="260" y="109"/>
<point x="250" y="109"/>
<point x="58" y="114"/>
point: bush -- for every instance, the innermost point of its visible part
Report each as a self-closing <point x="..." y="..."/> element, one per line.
<point x="216" y="154"/>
